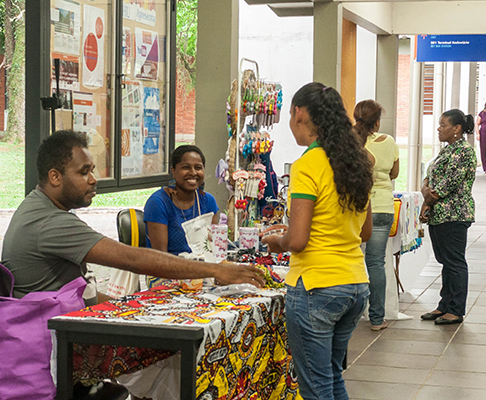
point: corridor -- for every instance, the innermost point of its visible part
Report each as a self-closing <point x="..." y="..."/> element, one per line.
<point x="417" y="360"/>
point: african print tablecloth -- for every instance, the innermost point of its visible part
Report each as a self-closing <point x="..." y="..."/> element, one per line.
<point x="244" y="353"/>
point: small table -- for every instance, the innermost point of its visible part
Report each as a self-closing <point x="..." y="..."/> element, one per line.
<point x="231" y="346"/>
<point x="185" y="339"/>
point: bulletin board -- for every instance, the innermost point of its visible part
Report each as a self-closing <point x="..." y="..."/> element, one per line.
<point x="84" y="37"/>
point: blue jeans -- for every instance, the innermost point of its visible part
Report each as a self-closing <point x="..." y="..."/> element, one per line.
<point x="320" y="323"/>
<point x="449" y="241"/>
<point x="375" y="263"/>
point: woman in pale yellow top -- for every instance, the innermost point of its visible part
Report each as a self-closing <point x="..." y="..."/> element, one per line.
<point x="384" y="150"/>
<point x="327" y="285"/>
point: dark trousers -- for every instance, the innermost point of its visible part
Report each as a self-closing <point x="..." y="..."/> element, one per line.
<point x="449" y="244"/>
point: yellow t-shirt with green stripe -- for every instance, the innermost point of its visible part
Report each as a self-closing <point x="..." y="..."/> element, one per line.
<point x="333" y="255"/>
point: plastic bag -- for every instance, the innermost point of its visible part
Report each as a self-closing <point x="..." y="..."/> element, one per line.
<point x="122" y="283"/>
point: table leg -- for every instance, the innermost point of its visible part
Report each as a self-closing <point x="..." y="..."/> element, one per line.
<point x="64" y="367"/>
<point x="397" y="274"/>
<point x="188" y="371"/>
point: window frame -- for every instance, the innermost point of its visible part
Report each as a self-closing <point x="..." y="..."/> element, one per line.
<point x="38" y="81"/>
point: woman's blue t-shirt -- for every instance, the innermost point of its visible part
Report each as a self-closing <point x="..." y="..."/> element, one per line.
<point x="161" y="209"/>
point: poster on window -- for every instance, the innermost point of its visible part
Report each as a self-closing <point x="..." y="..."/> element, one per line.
<point x="68" y="72"/>
<point x="142" y="11"/>
<point x="132" y="141"/>
<point x="146" y="54"/>
<point x="151" y="120"/>
<point x="93" y="46"/>
<point x="65" y="17"/>
<point x="127" y="51"/>
<point x="84" y="112"/>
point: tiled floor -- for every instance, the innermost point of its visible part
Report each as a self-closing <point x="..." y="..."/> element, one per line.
<point x="417" y="360"/>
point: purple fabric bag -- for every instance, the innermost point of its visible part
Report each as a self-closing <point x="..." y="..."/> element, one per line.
<point x="25" y="341"/>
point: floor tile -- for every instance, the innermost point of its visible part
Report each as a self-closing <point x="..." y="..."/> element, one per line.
<point x="375" y="373"/>
<point x="472" y="380"/>
<point x="448" y="393"/>
<point x="398" y="360"/>
<point x="380" y="391"/>
<point x="464" y="364"/>
<point x="408" y="347"/>
<point x="424" y="336"/>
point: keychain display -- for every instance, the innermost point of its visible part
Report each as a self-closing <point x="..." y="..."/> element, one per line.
<point x="254" y="106"/>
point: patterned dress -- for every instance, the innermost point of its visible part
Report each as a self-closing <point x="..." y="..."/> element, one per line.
<point x="452" y="175"/>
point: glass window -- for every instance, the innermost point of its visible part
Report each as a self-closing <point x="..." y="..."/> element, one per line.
<point x="113" y="84"/>
<point x="82" y="41"/>
<point x="144" y="143"/>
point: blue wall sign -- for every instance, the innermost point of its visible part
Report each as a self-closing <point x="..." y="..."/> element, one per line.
<point x="451" y="48"/>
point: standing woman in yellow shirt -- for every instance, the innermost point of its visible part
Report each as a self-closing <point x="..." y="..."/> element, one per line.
<point x="327" y="285"/>
<point x="383" y="148"/>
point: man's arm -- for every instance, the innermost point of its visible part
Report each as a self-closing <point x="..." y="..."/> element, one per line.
<point x="152" y="262"/>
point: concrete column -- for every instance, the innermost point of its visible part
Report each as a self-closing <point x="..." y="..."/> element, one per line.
<point x="414" y="181"/>
<point x="471" y="104"/>
<point x="387" y="81"/>
<point x="217" y="66"/>
<point x="328" y="31"/>
<point x="456" y="85"/>
<point x="439" y="103"/>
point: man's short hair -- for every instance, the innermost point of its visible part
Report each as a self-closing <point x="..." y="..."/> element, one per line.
<point x="56" y="151"/>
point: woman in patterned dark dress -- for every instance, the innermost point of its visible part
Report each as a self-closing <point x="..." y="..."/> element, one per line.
<point x="481" y="135"/>
<point x="449" y="210"/>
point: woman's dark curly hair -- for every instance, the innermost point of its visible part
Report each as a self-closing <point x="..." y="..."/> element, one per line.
<point x="457" y="117"/>
<point x="352" y="168"/>
<point x="366" y="114"/>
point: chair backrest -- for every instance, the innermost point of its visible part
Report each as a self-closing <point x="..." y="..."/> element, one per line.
<point x="131" y="228"/>
<point x="6" y="282"/>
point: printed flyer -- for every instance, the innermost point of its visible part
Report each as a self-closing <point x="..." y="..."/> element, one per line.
<point x="151" y="120"/>
<point x="65" y="17"/>
<point x="142" y="11"/>
<point x="132" y="143"/>
<point x="68" y="72"/>
<point x="127" y="51"/>
<point x="93" y="46"/>
<point x="146" y="54"/>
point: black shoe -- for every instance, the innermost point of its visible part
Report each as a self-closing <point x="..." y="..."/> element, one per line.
<point x="431" y="316"/>
<point x="443" y="321"/>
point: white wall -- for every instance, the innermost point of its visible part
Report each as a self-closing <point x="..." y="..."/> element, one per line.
<point x="283" y="48"/>
<point x="365" y="65"/>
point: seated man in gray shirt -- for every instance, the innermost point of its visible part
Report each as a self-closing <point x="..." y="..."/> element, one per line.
<point x="46" y="246"/>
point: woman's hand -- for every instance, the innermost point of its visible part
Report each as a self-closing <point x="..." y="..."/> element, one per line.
<point x="424" y="213"/>
<point x="430" y="196"/>
<point x="278" y="229"/>
<point x="274" y="243"/>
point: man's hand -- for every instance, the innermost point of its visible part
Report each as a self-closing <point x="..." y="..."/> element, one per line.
<point x="228" y="273"/>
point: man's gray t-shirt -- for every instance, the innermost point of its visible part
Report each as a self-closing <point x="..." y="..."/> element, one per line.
<point x="44" y="246"/>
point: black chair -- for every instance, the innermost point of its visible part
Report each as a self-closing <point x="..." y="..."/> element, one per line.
<point x="131" y="228"/>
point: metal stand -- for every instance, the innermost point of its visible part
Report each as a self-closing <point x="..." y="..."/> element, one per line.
<point x="53" y="102"/>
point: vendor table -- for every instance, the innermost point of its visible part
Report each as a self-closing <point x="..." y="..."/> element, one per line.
<point x="231" y="347"/>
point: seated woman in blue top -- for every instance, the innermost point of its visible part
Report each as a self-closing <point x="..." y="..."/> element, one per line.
<point x="170" y="207"/>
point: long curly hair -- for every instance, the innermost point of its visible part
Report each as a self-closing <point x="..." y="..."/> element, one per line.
<point x="366" y="114"/>
<point x="352" y="168"/>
